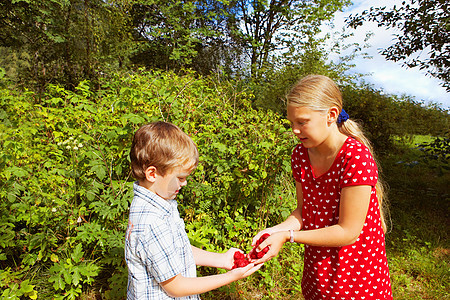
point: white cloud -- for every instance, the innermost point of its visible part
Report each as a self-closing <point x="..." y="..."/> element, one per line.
<point x="387" y="75"/>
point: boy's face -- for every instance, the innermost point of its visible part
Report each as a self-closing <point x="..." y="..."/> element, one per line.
<point x="169" y="185"/>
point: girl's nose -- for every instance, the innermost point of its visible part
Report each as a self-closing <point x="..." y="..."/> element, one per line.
<point x="296" y="129"/>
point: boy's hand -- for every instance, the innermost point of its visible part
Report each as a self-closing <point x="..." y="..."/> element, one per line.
<point x="246" y="271"/>
<point x="228" y="258"/>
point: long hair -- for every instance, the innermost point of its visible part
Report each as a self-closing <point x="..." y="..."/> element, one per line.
<point x="319" y="93"/>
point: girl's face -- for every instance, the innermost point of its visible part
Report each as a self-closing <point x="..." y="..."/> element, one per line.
<point x="310" y="126"/>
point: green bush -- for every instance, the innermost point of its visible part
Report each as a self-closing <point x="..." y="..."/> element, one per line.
<point x="66" y="182"/>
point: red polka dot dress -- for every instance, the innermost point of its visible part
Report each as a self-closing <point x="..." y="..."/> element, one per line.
<point x="356" y="271"/>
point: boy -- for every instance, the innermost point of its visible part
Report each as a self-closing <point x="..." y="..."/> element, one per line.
<point x="161" y="262"/>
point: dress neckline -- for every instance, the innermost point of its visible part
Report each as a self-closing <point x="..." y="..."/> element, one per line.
<point x="334" y="161"/>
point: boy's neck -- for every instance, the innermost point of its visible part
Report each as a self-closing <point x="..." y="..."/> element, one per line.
<point x="146" y="184"/>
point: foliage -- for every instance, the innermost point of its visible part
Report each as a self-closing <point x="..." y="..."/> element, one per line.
<point x="66" y="42"/>
<point x="437" y="154"/>
<point x="270" y="90"/>
<point x="180" y="34"/>
<point x="66" y="186"/>
<point x="423" y="26"/>
<point x="384" y="117"/>
<point x="279" y="28"/>
<point x="417" y="240"/>
<point x="59" y="41"/>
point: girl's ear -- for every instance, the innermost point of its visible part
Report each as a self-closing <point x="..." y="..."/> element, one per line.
<point x="333" y="114"/>
<point x="150" y="174"/>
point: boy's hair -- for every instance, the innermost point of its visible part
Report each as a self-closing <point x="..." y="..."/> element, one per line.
<point x="320" y="93"/>
<point x="164" y="146"/>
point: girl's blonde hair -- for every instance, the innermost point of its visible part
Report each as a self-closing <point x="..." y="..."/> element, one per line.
<point x="319" y="93"/>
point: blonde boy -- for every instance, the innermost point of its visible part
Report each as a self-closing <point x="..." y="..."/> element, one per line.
<point x="161" y="262"/>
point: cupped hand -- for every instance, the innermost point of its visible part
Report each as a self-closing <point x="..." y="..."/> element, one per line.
<point x="247" y="270"/>
<point x="228" y="258"/>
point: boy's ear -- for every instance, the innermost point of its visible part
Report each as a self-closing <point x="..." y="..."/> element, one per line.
<point x="333" y="115"/>
<point x="150" y="174"/>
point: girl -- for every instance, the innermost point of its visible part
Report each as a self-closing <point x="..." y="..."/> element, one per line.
<point x="339" y="213"/>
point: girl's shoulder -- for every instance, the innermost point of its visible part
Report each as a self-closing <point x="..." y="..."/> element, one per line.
<point x="299" y="150"/>
<point x="353" y="147"/>
<point x="355" y="151"/>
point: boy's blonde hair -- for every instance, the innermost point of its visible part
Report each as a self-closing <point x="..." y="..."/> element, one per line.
<point x="320" y="93"/>
<point x="164" y="146"/>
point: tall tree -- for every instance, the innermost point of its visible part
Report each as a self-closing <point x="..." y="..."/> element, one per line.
<point x="175" y="34"/>
<point x="274" y="27"/>
<point x="424" y="26"/>
<point x="233" y="34"/>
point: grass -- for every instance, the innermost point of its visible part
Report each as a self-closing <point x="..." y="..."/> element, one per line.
<point x="417" y="242"/>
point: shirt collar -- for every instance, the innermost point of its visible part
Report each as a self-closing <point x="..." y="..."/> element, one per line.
<point x="152" y="198"/>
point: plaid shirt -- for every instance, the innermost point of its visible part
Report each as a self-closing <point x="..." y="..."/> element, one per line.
<point x="157" y="247"/>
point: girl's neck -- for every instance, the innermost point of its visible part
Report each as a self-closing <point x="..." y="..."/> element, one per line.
<point x="330" y="147"/>
<point x="323" y="156"/>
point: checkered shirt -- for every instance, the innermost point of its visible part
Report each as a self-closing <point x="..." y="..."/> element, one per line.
<point x="157" y="247"/>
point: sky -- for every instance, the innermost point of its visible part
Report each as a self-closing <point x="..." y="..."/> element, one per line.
<point x="389" y="76"/>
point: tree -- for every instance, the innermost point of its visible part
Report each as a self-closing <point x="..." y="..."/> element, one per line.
<point x="183" y="34"/>
<point x="280" y="27"/>
<point x="65" y="41"/>
<point x="233" y="34"/>
<point x="424" y="26"/>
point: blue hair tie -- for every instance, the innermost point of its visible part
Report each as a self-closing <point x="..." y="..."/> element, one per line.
<point x="343" y="116"/>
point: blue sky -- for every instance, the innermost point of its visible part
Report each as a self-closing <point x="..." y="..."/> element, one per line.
<point x="389" y="76"/>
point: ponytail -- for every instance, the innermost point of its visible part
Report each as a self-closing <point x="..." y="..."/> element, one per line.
<point x="353" y="129"/>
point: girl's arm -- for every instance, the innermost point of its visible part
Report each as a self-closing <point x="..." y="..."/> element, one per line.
<point x="213" y="259"/>
<point x="180" y="286"/>
<point x="353" y="209"/>
<point x="293" y="222"/>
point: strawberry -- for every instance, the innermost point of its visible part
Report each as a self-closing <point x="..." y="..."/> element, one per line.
<point x="240" y="260"/>
<point x="256" y="255"/>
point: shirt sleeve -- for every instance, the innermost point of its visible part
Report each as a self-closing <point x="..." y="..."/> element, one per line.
<point x="360" y="167"/>
<point x="162" y="252"/>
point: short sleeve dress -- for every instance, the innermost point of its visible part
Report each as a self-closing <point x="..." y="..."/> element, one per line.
<point x="356" y="271"/>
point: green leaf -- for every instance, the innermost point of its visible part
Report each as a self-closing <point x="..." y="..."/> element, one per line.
<point x="58" y="282"/>
<point x="99" y="170"/>
<point x="75" y="276"/>
<point x="77" y="253"/>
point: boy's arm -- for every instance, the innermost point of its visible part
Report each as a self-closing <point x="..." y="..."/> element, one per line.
<point x="213" y="259"/>
<point x="180" y="286"/>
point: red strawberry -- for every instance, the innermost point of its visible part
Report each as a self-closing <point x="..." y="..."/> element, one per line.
<point x="255" y="255"/>
<point x="238" y="255"/>
<point x="242" y="263"/>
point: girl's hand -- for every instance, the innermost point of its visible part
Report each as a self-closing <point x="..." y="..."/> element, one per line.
<point x="228" y="258"/>
<point x="275" y="241"/>
<point x="269" y="230"/>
